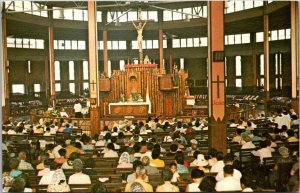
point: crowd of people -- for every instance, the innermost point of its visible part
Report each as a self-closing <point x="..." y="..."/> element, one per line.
<point x="124" y="141"/>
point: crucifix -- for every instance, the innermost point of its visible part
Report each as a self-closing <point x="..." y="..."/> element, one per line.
<point x="139" y="28"/>
<point x="218" y="86"/>
<point x="93" y="83"/>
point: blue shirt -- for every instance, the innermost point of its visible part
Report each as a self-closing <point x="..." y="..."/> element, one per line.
<point x="15" y="173"/>
<point x="67" y="130"/>
<point x="181" y="169"/>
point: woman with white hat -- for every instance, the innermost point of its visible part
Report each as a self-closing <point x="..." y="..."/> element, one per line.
<point x="201" y="162"/>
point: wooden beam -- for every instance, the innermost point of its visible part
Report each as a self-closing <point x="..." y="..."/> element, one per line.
<point x="51" y="59"/>
<point x="93" y="66"/>
<point x="216" y="76"/>
<point x="294" y="47"/>
<point x="266" y="51"/>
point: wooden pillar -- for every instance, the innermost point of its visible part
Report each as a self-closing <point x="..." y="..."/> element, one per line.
<point x="216" y="76"/>
<point x="160" y="41"/>
<point x="254" y="73"/>
<point x="51" y="60"/>
<point x="93" y="66"/>
<point x="170" y="46"/>
<point x="105" y="52"/>
<point x="266" y="54"/>
<point x="294" y="54"/>
<point x="161" y="51"/>
<point x="4" y="70"/>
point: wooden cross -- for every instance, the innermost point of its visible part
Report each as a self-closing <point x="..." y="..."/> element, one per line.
<point x="218" y="85"/>
<point x="93" y="83"/>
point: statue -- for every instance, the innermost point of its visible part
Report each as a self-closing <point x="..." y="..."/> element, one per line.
<point x="147" y="60"/>
<point x="139" y="28"/>
<point x="175" y="75"/>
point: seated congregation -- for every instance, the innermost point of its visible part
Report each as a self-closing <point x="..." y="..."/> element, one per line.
<point x="155" y="155"/>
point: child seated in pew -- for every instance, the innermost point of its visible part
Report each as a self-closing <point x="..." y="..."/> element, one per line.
<point x="173" y="169"/>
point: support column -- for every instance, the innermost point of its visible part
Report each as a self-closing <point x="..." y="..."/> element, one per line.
<point x="51" y="60"/>
<point x="105" y="52"/>
<point x="160" y="41"/>
<point x="294" y="54"/>
<point x="161" y="51"/>
<point x="5" y="85"/>
<point x="216" y="76"/>
<point x="254" y="76"/>
<point x="170" y="46"/>
<point x="93" y="66"/>
<point x="266" y="55"/>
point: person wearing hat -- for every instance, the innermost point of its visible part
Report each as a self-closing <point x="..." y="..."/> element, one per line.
<point x="201" y="162"/>
<point x="284" y="158"/>
<point x="193" y="148"/>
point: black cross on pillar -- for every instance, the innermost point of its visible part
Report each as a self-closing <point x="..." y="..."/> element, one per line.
<point x="218" y="85"/>
<point x="93" y="83"/>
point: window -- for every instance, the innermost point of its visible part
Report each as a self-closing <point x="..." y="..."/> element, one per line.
<point x="25" y="43"/>
<point x="245" y="38"/>
<point x="19" y="43"/>
<point x="248" y="4"/>
<point x="99" y="16"/>
<point x="29" y="66"/>
<point x="71" y="70"/>
<point x="11" y="42"/>
<point x="176" y="15"/>
<point x="132" y="15"/>
<point x="230" y="8"/>
<point x="238" y="82"/>
<point x="280" y="64"/>
<point x="196" y="42"/>
<point x="259" y="36"/>
<point x="238" y="66"/>
<point x="81" y="45"/>
<point x="57" y="70"/>
<point x="238" y="39"/>
<point x="39" y="44"/>
<point x="239" y="5"/>
<point x="261" y="67"/>
<point x="155" y="44"/>
<point x="152" y="15"/>
<point x="85" y="70"/>
<point x="203" y="41"/>
<point x="74" y="44"/>
<point x="135" y="45"/>
<point x="165" y="44"/>
<point x="181" y="63"/>
<point x="189" y="42"/>
<point x="262" y="82"/>
<point x="18" y="89"/>
<point x="230" y="39"/>
<point x="274" y="35"/>
<point x="32" y="43"/>
<point x="276" y="64"/>
<point x="85" y="85"/>
<point x="72" y="87"/>
<point x="67" y="44"/>
<point x="288" y="34"/>
<point x="37" y="87"/>
<point x="57" y="87"/>
<point x="167" y="15"/>
<point x="61" y="44"/>
<point x="182" y="43"/>
<point x="109" y="68"/>
<point x="176" y="43"/>
<point x="135" y="61"/>
<point x="100" y="45"/>
<point x="225" y="66"/>
<point x="122" y="45"/>
<point x="122" y="64"/>
<point x="281" y="34"/>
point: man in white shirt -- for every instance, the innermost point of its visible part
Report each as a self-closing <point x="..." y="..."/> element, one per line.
<point x="228" y="160"/>
<point x="263" y="152"/>
<point x="79" y="177"/>
<point x="229" y="183"/>
<point x="77" y="109"/>
<point x="248" y="144"/>
<point x="216" y="168"/>
<point x="57" y="148"/>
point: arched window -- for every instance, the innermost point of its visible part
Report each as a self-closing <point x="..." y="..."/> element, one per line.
<point x="71" y="70"/>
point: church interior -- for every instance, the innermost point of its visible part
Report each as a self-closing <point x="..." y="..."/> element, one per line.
<point x="150" y="96"/>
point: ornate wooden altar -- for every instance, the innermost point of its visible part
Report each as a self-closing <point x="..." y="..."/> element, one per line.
<point x="140" y="90"/>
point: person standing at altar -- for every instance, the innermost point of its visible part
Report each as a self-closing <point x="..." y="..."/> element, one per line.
<point x="77" y="109"/>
